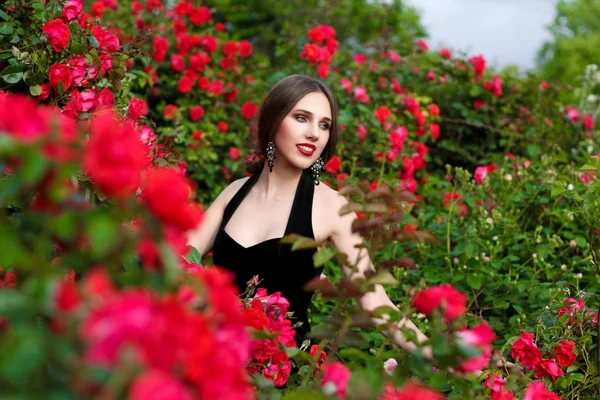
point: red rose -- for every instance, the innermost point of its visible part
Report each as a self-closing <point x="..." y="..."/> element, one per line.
<point x="410" y="391"/>
<point x="336" y="374"/>
<point x="255" y="318"/>
<point x="72" y="9"/>
<point x="58" y="34"/>
<point x="168" y="194"/>
<point x="196" y="113"/>
<point x="588" y="122"/>
<point x="230" y="48"/>
<point x="323" y="70"/>
<point x="548" y="368"/>
<point x="67" y="297"/>
<point x="453" y="301"/>
<point x="114" y="156"/>
<point x="60" y="73"/>
<point x="177" y="62"/>
<point x="108" y="41"/>
<point x="525" y="351"/>
<point x="234" y="153"/>
<point x="249" y="110"/>
<point x="435" y="130"/>
<point x="170" y="110"/>
<point x="184" y="85"/>
<point x="106" y="97"/>
<point x="222" y="126"/>
<point x="537" y="391"/>
<point x="159" y="48"/>
<point x="200" y="16"/>
<point x="333" y="165"/>
<point x="137" y="108"/>
<point x="564" y="353"/>
<point x="245" y="48"/>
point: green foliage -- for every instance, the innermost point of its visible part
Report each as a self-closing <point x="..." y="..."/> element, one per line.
<point x="575" y="40"/>
<point x="274" y="26"/>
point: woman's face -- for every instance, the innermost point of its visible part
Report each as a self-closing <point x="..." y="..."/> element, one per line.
<point x="304" y="132"/>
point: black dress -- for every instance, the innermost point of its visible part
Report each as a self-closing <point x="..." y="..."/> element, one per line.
<point x="279" y="268"/>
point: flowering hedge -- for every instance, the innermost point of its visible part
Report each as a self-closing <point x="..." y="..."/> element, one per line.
<point x="94" y="248"/>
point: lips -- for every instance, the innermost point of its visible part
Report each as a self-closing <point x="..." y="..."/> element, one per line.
<point x="306" y="149"/>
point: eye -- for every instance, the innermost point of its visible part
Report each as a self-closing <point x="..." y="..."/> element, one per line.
<point x="301" y="118"/>
<point x="325" y="127"/>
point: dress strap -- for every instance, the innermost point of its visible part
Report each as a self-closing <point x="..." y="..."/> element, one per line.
<point x="237" y="199"/>
<point x="300" y="221"/>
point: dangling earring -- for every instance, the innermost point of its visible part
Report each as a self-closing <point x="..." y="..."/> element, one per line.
<point x="271" y="156"/>
<point x="316" y="169"/>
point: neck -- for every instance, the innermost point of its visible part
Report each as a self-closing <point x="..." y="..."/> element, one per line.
<point x="279" y="184"/>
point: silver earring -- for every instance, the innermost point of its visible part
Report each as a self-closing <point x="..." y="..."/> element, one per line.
<point x="271" y="156"/>
<point x="316" y="169"/>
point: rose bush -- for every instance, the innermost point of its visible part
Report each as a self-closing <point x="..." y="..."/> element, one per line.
<point x="89" y="235"/>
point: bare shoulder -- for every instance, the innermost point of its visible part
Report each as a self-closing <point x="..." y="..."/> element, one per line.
<point x="327" y="202"/>
<point x="227" y="194"/>
<point x="329" y="198"/>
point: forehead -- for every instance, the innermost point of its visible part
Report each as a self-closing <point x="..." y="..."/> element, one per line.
<point x="315" y="102"/>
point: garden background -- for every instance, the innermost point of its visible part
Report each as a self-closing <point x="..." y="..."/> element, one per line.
<point x="474" y="188"/>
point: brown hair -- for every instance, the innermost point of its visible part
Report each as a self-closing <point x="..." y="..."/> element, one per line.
<point x="278" y="103"/>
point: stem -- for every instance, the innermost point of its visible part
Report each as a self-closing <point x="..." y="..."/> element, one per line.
<point x="448" y="249"/>
<point x="468" y="123"/>
<point x="381" y="171"/>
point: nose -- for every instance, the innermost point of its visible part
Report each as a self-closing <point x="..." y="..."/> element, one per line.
<point x="313" y="132"/>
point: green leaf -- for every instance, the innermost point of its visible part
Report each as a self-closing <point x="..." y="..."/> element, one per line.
<point x="475" y="281"/>
<point x="305" y="395"/>
<point x="4" y="16"/>
<point x="193" y="255"/>
<point x="576" y="377"/>
<point x="475" y="91"/>
<point x="588" y="167"/>
<point x="103" y="233"/>
<point x="517" y="308"/>
<point x="322" y="256"/>
<point x="13" y="73"/>
<point x="35" y="90"/>
<point x="94" y="42"/>
<point x="33" y="167"/>
<point x="22" y="354"/>
<point x="572" y="368"/>
<point x="12" y="251"/>
<point x="291" y="351"/>
<point x="384" y="278"/>
<point x="580" y="240"/>
<point x="471" y="250"/>
<point x="12" y="303"/>
<point x="533" y="150"/>
<point x="6" y="28"/>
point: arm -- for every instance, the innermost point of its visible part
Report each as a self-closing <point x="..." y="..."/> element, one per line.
<point x="203" y="237"/>
<point x="345" y="241"/>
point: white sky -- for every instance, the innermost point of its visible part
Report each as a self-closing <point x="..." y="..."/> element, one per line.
<point x="504" y="31"/>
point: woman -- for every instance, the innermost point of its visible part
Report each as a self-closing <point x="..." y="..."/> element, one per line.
<point x="297" y="134"/>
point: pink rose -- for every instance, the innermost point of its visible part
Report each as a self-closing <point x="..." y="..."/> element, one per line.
<point x="390" y="365"/>
<point x="158" y="385"/>
<point x="335" y="379"/>
<point x="537" y="391"/>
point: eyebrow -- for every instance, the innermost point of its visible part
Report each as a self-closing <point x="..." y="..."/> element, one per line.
<point x="308" y="112"/>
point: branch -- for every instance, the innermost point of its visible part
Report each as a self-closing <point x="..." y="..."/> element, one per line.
<point x="469" y="123"/>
